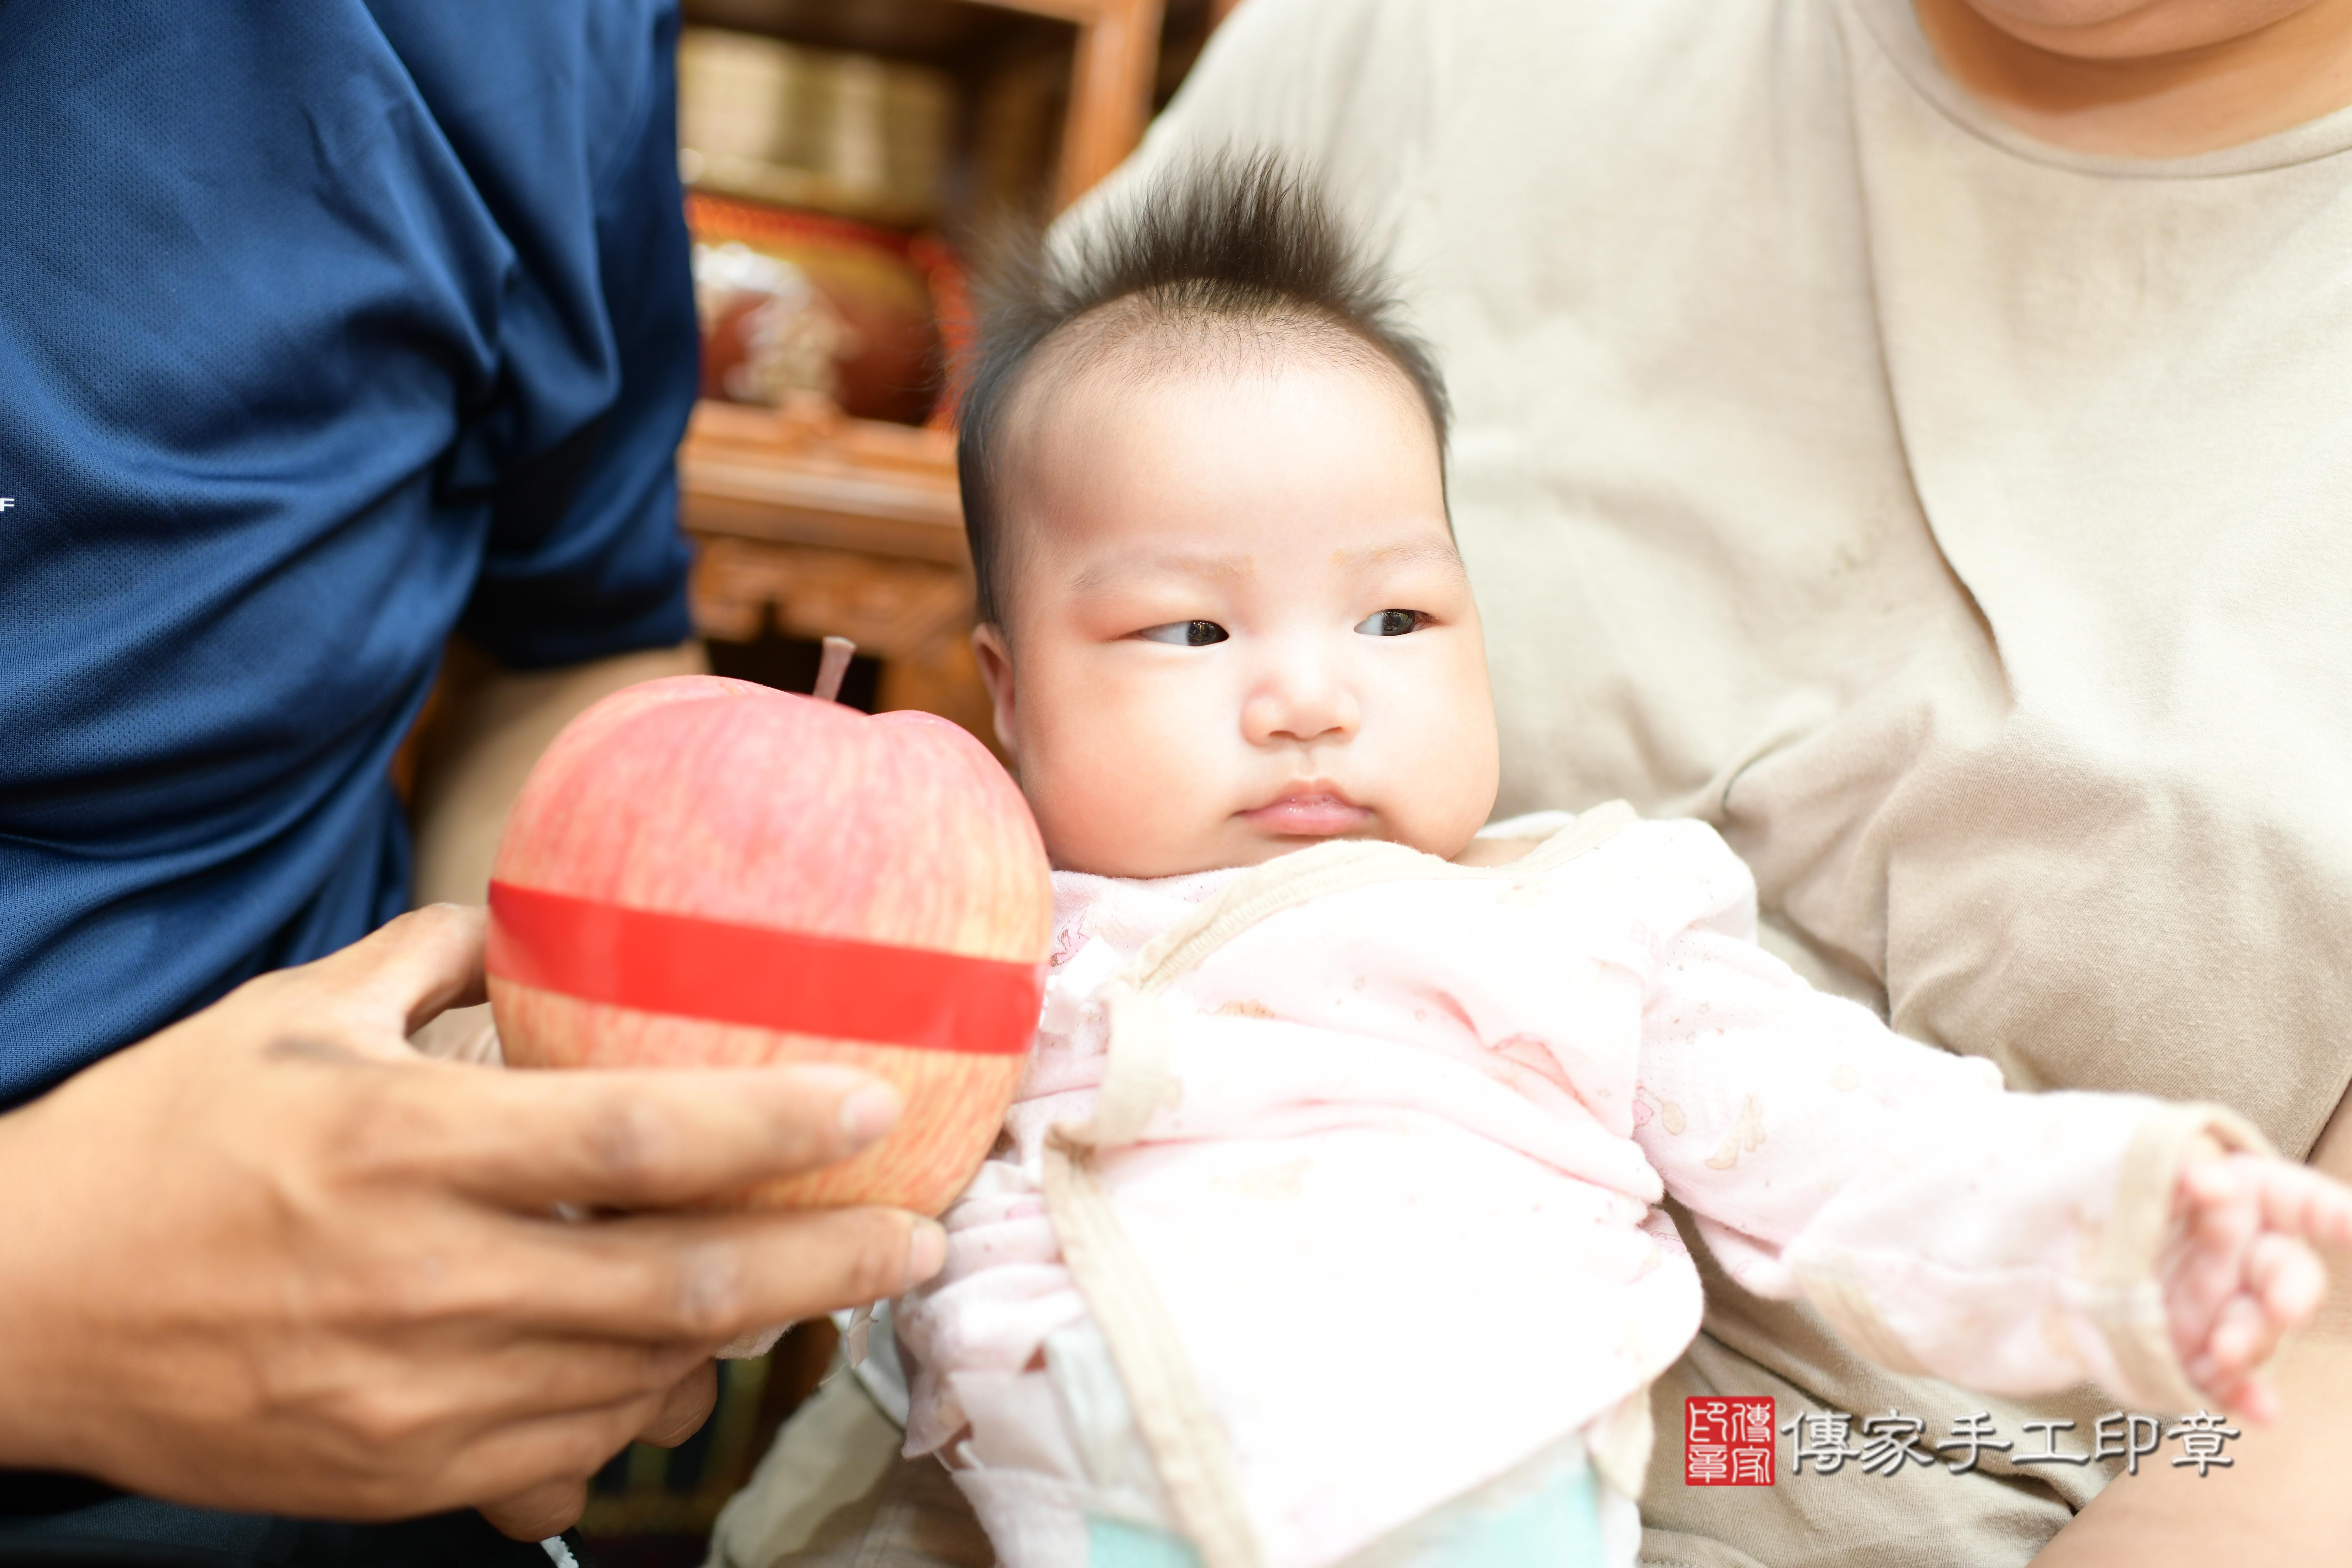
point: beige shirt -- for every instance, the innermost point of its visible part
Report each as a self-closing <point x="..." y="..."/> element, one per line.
<point x="1961" y="525"/>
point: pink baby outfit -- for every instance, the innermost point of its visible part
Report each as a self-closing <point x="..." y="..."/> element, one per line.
<point x="1301" y="1145"/>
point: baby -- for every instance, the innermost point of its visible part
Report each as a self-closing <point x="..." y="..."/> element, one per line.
<point x="1332" y="1088"/>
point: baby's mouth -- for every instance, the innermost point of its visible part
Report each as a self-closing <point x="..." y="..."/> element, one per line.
<point x="1308" y="811"/>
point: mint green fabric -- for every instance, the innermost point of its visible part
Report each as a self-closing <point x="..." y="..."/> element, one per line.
<point x="1116" y="1543"/>
<point x="1559" y="1526"/>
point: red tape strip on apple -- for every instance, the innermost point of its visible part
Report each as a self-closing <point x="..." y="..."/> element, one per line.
<point x="788" y="980"/>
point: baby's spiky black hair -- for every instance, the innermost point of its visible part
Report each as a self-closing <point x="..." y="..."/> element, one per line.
<point x="1245" y="246"/>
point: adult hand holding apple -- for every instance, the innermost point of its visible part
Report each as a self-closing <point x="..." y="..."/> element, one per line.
<point x="281" y="1262"/>
<point x="704" y="872"/>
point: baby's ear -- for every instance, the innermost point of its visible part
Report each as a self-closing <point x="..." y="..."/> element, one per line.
<point x="996" y="673"/>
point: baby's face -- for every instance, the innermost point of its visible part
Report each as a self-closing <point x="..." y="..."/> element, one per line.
<point x="1236" y="624"/>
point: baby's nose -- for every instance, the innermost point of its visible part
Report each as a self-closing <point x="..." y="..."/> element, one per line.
<point x="1300" y="706"/>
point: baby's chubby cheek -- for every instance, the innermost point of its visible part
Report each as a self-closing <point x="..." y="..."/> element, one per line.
<point x="1430" y="742"/>
<point x="1126" y="789"/>
<point x="1152" y="783"/>
<point x="1438" y="795"/>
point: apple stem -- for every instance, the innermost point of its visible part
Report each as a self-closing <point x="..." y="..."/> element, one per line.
<point x="831" y="665"/>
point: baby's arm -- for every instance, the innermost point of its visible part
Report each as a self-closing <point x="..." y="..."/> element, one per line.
<point x="2013" y="1242"/>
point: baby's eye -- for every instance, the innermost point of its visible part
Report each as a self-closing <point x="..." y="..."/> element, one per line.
<point x="1391" y="622"/>
<point x="1185" y="633"/>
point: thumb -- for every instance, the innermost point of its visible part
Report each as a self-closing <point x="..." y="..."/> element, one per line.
<point x="548" y="1509"/>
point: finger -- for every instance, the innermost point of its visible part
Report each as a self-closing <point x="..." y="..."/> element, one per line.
<point x="2190" y="1301"/>
<point x="2211" y="1178"/>
<point x="524" y="1470"/>
<point x="389" y="983"/>
<point x="537" y="1512"/>
<point x="554" y="1505"/>
<point x="2254" y="1401"/>
<point x="2206" y="1265"/>
<point x="682" y="1413"/>
<point x="536" y="1376"/>
<point x="2210" y="1357"/>
<point x="2287" y="1278"/>
<point x="2221" y="1386"/>
<point x="652" y="1138"/>
<point x="2211" y="1246"/>
<point x="2304" y="1202"/>
<point x="2242" y="1336"/>
<point x="2224" y="1213"/>
<point x="704" y="1278"/>
<point x="419" y="1388"/>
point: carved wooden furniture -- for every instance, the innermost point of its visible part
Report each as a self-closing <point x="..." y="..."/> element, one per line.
<point x="813" y="523"/>
<point x="1107" y="51"/>
<point x="818" y="524"/>
<point x="1111" y="99"/>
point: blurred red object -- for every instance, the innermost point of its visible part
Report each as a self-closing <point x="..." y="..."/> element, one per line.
<point x="794" y="301"/>
<point x="952" y="310"/>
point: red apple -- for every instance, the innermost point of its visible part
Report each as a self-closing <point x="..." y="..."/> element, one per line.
<point x="696" y="864"/>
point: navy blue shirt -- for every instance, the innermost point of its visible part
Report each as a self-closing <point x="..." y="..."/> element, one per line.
<point x="325" y="329"/>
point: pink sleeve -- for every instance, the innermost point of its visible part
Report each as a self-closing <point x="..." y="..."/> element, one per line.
<point x="2006" y="1241"/>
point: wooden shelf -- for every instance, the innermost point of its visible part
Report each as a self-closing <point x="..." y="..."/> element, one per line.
<point x="944" y="33"/>
<point x="808" y="475"/>
<point x="814" y="524"/>
<point x="1113" y="51"/>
